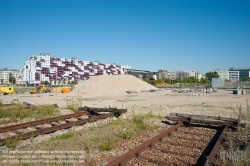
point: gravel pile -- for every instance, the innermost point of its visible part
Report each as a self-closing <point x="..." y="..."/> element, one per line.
<point x="111" y="85"/>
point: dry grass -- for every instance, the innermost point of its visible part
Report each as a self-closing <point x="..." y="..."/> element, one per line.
<point x="17" y="112"/>
<point x="89" y="139"/>
<point x="237" y="145"/>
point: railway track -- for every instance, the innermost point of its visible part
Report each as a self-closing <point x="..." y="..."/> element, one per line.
<point x="34" y="128"/>
<point x="182" y="144"/>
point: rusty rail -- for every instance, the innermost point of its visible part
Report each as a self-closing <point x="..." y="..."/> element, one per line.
<point x="136" y="152"/>
<point x="202" y="119"/>
<point x="53" y="128"/>
<point x="116" y="111"/>
<point x="92" y="116"/>
<point x="208" y="151"/>
<point x="37" y="122"/>
<point x="211" y="156"/>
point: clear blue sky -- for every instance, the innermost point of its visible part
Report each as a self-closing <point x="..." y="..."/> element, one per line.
<point x="196" y="35"/>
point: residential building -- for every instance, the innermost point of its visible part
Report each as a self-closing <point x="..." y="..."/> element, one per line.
<point x="171" y="75"/>
<point x="200" y="76"/>
<point x="44" y="67"/>
<point x="126" y="66"/>
<point x="162" y="74"/>
<point x="182" y="74"/>
<point x="193" y="73"/>
<point x="6" y="73"/>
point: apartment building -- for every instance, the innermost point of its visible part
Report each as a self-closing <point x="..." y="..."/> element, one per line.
<point x="6" y="73"/>
<point x="44" y="67"/>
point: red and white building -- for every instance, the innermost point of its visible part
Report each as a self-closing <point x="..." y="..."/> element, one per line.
<point x="44" y="67"/>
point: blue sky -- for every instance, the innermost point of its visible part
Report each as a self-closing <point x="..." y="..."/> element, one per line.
<point x="196" y="35"/>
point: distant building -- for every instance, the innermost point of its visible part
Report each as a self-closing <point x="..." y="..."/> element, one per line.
<point x="235" y="74"/>
<point x="171" y="75"/>
<point x="182" y="74"/>
<point x="142" y="74"/>
<point x="165" y="74"/>
<point x="193" y="73"/>
<point x="5" y="74"/>
<point x="162" y="74"/>
<point x="44" y="67"/>
<point x="223" y="74"/>
<point x="200" y="76"/>
<point x="126" y="66"/>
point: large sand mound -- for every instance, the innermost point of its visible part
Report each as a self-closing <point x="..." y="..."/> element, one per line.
<point x="111" y="85"/>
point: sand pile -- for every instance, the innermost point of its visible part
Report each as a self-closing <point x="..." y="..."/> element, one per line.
<point x="111" y="85"/>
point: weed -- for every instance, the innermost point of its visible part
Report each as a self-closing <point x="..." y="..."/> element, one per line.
<point x="46" y="111"/>
<point x="12" y="142"/>
<point x="32" y="137"/>
<point x="63" y="136"/>
<point x="73" y="104"/>
<point x="17" y="112"/>
<point x="243" y="114"/>
<point x="126" y="133"/>
<point x="107" y="145"/>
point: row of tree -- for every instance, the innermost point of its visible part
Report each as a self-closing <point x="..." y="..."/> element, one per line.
<point x="190" y="80"/>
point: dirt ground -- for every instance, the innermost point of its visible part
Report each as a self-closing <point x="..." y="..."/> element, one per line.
<point x="162" y="102"/>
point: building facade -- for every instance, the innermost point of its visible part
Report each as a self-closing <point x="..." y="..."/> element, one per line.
<point x="182" y="74"/>
<point x="236" y="74"/>
<point x="44" y="67"/>
<point x="162" y="74"/>
<point x="223" y="74"/>
<point x="141" y="74"/>
<point x="6" y="73"/>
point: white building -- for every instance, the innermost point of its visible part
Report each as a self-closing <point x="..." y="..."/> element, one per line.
<point x="223" y="74"/>
<point x="193" y="73"/>
<point x="126" y="66"/>
<point x="200" y="76"/>
<point x="5" y="74"/>
<point x="234" y="76"/>
<point x="44" y="67"/>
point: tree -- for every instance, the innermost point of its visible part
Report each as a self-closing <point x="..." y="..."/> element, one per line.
<point x="211" y="75"/>
<point x="177" y="80"/>
<point x="167" y="80"/>
<point x="158" y="81"/>
<point x="46" y="83"/>
<point x="244" y="78"/>
<point x="12" y="80"/>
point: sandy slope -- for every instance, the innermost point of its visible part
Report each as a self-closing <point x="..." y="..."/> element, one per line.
<point x="111" y="85"/>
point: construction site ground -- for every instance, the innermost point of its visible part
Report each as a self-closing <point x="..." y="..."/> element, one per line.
<point x="160" y="103"/>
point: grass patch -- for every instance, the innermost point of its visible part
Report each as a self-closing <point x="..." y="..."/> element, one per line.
<point x="107" y="145"/>
<point x="12" y="143"/>
<point x="63" y="137"/>
<point x="16" y="112"/>
<point x="45" y="111"/>
<point x="243" y="114"/>
<point x="104" y="137"/>
<point x="73" y="104"/>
